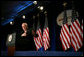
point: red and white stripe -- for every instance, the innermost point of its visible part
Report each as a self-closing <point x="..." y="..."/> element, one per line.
<point x="46" y="38"/>
<point x="65" y="37"/>
<point x="82" y="28"/>
<point x="38" y="41"/>
<point x="76" y="38"/>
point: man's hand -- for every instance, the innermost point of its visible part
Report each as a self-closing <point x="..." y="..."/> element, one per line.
<point x="24" y="34"/>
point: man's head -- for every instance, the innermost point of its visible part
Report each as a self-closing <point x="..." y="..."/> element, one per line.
<point x="24" y="26"/>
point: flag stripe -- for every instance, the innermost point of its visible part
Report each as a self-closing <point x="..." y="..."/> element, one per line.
<point x="77" y="34"/>
<point x="74" y="40"/>
<point x="41" y="40"/>
<point x="45" y="45"/>
<point x="82" y="29"/>
<point x="82" y="26"/>
<point x="46" y="41"/>
<point x="64" y="37"/>
<point x="78" y="28"/>
<point x="63" y="43"/>
<point x="37" y="40"/>
<point x="74" y="44"/>
<point x="75" y="37"/>
<point x="47" y="34"/>
<point x="67" y="35"/>
<point x="37" y="45"/>
<point x="40" y="37"/>
<point x="46" y="38"/>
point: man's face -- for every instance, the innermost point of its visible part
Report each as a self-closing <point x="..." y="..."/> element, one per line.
<point x="24" y="27"/>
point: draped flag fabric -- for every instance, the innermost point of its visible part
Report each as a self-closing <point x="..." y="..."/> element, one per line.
<point x="46" y="39"/>
<point x="82" y="28"/>
<point x="38" y="40"/>
<point x="65" y="34"/>
<point x="76" y="37"/>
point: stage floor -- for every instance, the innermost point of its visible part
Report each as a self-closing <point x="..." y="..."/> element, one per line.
<point x="43" y="53"/>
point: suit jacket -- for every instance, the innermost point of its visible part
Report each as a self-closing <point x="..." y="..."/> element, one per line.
<point x="25" y="43"/>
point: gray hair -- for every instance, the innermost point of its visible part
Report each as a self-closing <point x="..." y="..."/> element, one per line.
<point x="25" y="24"/>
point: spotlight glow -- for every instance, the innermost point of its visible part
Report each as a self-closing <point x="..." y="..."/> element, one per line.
<point x="41" y="7"/>
<point x="11" y="23"/>
<point x="38" y="6"/>
<point x="23" y="16"/>
<point x="35" y="2"/>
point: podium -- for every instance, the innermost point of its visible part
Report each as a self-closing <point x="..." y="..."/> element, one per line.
<point x="10" y="43"/>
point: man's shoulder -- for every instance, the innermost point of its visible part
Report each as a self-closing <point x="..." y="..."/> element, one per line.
<point x="30" y="30"/>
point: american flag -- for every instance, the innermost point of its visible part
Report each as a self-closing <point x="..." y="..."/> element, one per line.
<point x="75" y="29"/>
<point x="38" y="40"/>
<point x="65" y="34"/>
<point x="46" y="38"/>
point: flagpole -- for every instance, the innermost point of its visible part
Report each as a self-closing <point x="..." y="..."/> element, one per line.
<point x="64" y="4"/>
<point x="34" y="24"/>
<point x="46" y="18"/>
<point x="45" y="13"/>
<point x="65" y="15"/>
<point x="74" y="14"/>
<point x="38" y="20"/>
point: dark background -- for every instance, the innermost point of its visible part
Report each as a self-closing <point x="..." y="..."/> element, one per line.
<point x="54" y="8"/>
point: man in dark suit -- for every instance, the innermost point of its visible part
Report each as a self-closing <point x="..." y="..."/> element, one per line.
<point x="25" y="41"/>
